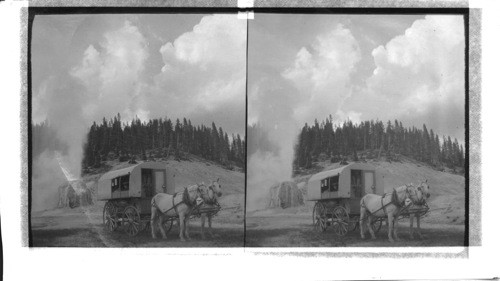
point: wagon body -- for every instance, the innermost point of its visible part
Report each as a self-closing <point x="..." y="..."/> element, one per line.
<point x="347" y="184"/>
<point x="338" y="193"/>
<point x="139" y="181"/>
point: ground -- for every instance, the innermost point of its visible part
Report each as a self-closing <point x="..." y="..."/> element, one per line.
<point x="83" y="226"/>
<point x="296" y="230"/>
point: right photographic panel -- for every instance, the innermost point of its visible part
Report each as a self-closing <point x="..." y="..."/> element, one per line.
<point x="356" y="130"/>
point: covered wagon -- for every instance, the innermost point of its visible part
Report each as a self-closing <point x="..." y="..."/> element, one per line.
<point x="128" y="194"/>
<point x="337" y="194"/>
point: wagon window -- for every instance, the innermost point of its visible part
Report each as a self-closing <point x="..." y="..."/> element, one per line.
<point x="120" y="183"/>
<point x="114" y="185"/>
<point x="334" y="183"/>
<point x="324" y="185"/>
<point x="330" y="184"/>
<point x="124" y="183"/>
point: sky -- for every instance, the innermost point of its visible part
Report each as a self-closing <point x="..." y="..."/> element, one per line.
<point x="408" y="68"/>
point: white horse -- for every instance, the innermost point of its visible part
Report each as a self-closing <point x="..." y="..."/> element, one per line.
<point x="424" y="188"/>
<point x="164" y="206"/>
<point x="209" y="195"/>
<point x="373" y="206"/>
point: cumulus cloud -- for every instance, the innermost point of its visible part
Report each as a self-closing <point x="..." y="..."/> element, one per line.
<point x="113" y="75"/>
<point x="419" y="76"/>
<point x="322" y="73"/>
<point x="204" y="73"/>
<point x="217" y="39"/>
<point x="333" y="56"/>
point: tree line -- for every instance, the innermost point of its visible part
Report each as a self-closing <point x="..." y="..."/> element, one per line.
<point x="153" y="138"/>
<point x="349" y="139"/>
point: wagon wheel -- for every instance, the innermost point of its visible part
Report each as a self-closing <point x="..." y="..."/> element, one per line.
<point x="319" y="217"/>
<point x="132" y="220"/>
<point x="340" y="220"/>
<point x="109" y="217"/>
<point x="377" y="225"/>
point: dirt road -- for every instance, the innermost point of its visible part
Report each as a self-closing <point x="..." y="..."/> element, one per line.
<point x="296" y="230"/>
<point x="82" y="227"/>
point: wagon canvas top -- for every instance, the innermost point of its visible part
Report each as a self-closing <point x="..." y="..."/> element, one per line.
<point x="328" y="173"/>
<point x="116" y="173"/>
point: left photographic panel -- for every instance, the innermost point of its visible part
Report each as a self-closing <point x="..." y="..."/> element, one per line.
<point x="137" y="129"/>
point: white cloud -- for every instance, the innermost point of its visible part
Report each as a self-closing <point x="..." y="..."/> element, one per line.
<point x="204" y="73"/>
<point x="333" y="56"/>
<point x="421" y="65"/>
<point x="217" y="39"/>
<point x="112" y="76"/>
<point x="322" y="74"/>
<point x="419" y="76"/>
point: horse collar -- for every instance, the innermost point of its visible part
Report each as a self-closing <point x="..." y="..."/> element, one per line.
<point x="185" y="197"/>
<point x="383" y="205"/>
<point x="395" y="198"/>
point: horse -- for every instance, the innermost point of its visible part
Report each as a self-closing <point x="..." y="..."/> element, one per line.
<point x="424" y="188"/>
<point x="209" y="195"/>
<point x="373" y="205"/>
<point x="178" y="205"/>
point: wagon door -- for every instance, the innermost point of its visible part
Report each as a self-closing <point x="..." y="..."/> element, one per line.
<point x="170" y="182"/>
<point x="369" y="182"/>
<point x="147" y="183"/>
<point x="356" y="190"/>
<point x="160" y="181"/>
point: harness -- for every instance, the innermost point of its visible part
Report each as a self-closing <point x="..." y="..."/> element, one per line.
<point x="397" y="203"/>
<point x="383" y="206"/>
<point x="213" y="200"/>
<point x="394" y="200"/>
<point x="206" y="196"/>
<point x="210" y="204"/>
<point x="422" y="207"/>
<point x="185" y="200"/>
